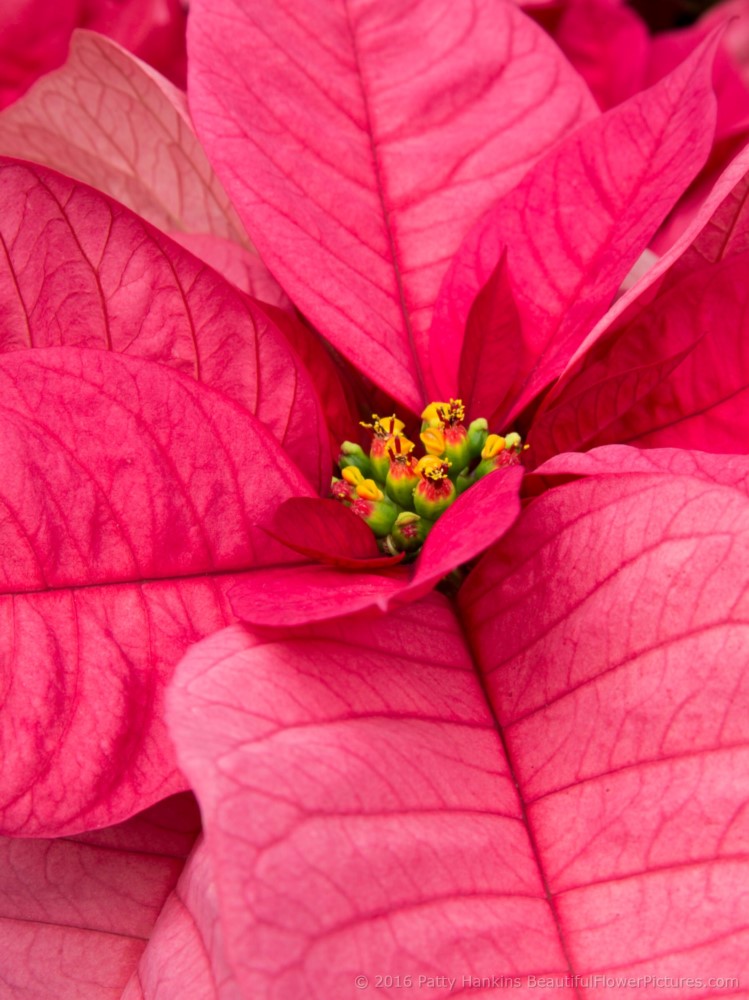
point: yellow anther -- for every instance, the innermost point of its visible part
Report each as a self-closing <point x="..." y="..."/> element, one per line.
<point x="494" y="444"/>
<point x="513" y="440"/>
<point x="457" y="411"/>
<point x="432" y="467"/>
<point x="433" y="439"/>
<point x="384" y="427"/>
<point x="432" y="415"/>
<point x="353" y="475"/>
<point x="368" y="489"/>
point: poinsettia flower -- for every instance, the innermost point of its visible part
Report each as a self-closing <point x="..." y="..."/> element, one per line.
<point x="400" y="794"/>
<point x="465" y="796"/>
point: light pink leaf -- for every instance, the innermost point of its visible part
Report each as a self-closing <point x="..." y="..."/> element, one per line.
<point x="379" y="827"/>
<point x="239" y="265"/>
<point x="577" y="222"/>
<point x="369" y="812"/>
<point x="75" y="914"/>
<point x="78" y="269"/>
<point x="124" y="484"/>
<point x="359" y="143"/>
<point x="185" y="946"/>
<point x="107" y="119"/>
<point x="290" y="596"/>
<point x="611" y="628"/>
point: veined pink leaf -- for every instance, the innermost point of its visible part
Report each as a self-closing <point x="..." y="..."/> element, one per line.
<point x="126" y="488"/>
<point x="724" y="470"/>
<point x="239" y="265"/>
<point x="677" y="375"/>
<point x="558" y="828"/>
<point x="185" y="945"/>
<point x="78" y="269"/>
<point x="75" y="914"/>
<point x="291" y="596"/>
<point x="576" y="224"/>
<point x="110" y="121"/>
<point x="360" y="142"/>
<point x="611" y="626"/>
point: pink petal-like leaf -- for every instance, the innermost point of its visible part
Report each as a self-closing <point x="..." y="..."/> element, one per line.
<point x="76" y="913"/>
<point x="677" y="375"/>
<point x="564" y="804"/>
<point x="239" y="265"/>
<point x="327" y="531"/>
<point x="577" y="222"/>
<point x="489" y="358"/>
<point x="110" y="121"/>
<point x="289" y="596"/>
<point x="186" y="945"/>
<point x="124" y="484"/>
<point x="608" y="44"/>
<point x="725" y="470"/>
<point x="573" y="825"/>
<point x="79" y="269"/>
<point x="358" y="159"/>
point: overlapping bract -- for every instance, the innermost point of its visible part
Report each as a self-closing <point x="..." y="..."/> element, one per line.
<point x="544" y="777"/>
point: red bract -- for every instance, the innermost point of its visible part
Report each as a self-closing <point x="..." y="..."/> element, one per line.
<point x="541" y="777"/>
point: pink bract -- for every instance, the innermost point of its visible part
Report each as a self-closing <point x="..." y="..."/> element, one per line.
<point x="540" y="774"/>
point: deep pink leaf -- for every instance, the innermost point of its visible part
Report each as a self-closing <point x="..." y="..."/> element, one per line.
<point x="475" y="521"/>
<point x="608" y="44"/>
<point x="124" y="483"/>
<point x="360" y="142"/>
<point x="724" y="470"/>
<point x="312" y="592"/>
<point x="153" y="29"/>
<point x="676" y="375"/>
<point x="290" y="596"/>
<point x="76" y="914"/>
<point x="488" y="358"/>
<point x="79" y="269"/>
<point x="576" y="224"/>
<point x="26" y="51"/>
<point x="324" y="530"/>
<point x="34" y="36"/>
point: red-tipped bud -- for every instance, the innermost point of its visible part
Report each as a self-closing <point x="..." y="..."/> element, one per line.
<point x="409" y="532"/>
<point x="435" y="492"/>
<point x="401" y="481"/>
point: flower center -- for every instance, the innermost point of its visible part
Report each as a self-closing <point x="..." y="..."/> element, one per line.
<point x="400" y="497"/>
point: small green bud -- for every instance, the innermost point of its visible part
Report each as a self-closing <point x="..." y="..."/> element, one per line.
<point x="478" y="431"/>
<point x="354" y="454"/>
